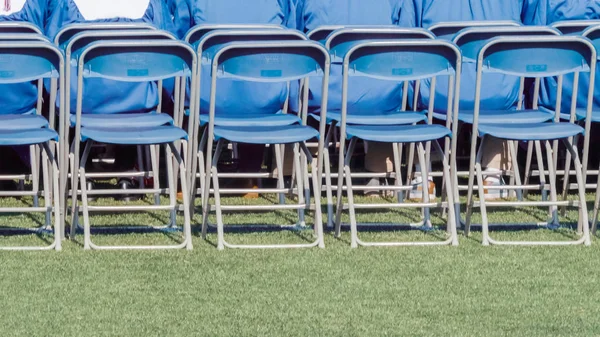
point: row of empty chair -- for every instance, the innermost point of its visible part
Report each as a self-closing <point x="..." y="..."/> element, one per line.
<point x="218" y="55"/>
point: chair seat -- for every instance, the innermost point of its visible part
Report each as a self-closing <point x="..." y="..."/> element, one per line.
<point x="395" y="118"/>
<point x="398" y="133"/>
<point x="501" y="116"/>
<point x="286" y="134"/>
<point x="582" y="114"/>
<point x="253" y="120"/>
<point x="134" y="136"/>
<point x="531" y="131"/>
<point x="22" y="122"/>
<point x="142" y="120"/>
<point x="27" y="137"/>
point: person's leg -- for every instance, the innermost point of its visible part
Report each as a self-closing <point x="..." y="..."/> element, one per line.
<point x="378" y="159"/>
<point x="496" y="158"/>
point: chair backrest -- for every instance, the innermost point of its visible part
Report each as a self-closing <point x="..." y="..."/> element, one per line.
<point x="24" y="61"/>
<point x="19" y="27"/>
<point x="574" y="26"/>
<point x="196" y="33"/>
<point x="134" y="61"/>
<point x="279" y="61"/>
<point x="340" y="41"/>
<point x="446" y="30"/>
<point x="67" y="32"/>
<point x="536" y="56"/>
<point x="269" y="62"/>
<point x="539" y="57"/>
<point x="470" y="40"/>
<point x="400" y="61"/>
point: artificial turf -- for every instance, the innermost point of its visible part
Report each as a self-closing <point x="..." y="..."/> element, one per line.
<point x="468" y="290"/>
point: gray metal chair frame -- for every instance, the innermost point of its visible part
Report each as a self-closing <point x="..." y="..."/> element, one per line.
<point x="199" y="137"/>
<point x="380" y="33"/>
<point x="301" y="152"/>
<point x="452" y="149"/>
<point x="48" y="161"/>
<point x="554" y="203"/>
<point x="421" y="147"/>
<point x="173" y="151"/>
<point x="109" y="34"/>
<point x="30" y="33"/>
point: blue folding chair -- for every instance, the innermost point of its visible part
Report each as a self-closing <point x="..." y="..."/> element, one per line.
<point x="470" y="40"/>
<point x="447" y="30"/>
<point x="339" y="42"/>
<point x="43" y="61"/>
<point x="399" y="61"/>
<point x="577" y="109"/>
<point x="533" y="57"/>
<point x="194" y="37"/>
<point x="32" y="118"/>
<point x="134" y="61"/>
<point x="206" y="48"/>
<point x="271" y="62"/>
<point x="574" y="27"/>
<point x="73" y="48"/>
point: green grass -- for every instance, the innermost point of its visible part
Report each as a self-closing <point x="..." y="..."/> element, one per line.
<point x="446" y="291"/>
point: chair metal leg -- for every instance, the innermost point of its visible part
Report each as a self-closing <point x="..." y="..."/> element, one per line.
<point x="552" y="173"/>
<point x="187" y="220"/>
<point x="542" y="169"/>
<point x="279" y="163"/>
<point x="425" y="184"/>
<point x="527" y="167"/>
<point x="55" y="198"/>
<point x="481" y="190"/>
<point x="452" y="217"/>
<point x="300" y="186"/>
<point x="470" y="202"/>
<point x="342" y="170"/>
<point x="583" y="214"/>
<point x="328" y="183"/>
<point x="513" y="149"/>
<point x="34" y="154"/>
<point x="411" y="160"/>
<point x="397" y="148"/>
<point x="47" y="191"/>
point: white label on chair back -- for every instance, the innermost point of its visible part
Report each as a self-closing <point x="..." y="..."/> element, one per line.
<point x="108" y="9"/>
<point x="8" y="7"/>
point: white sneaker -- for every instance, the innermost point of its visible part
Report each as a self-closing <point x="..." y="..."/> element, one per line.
<point x="493" y="177"/>
<point x="416" y="193"/>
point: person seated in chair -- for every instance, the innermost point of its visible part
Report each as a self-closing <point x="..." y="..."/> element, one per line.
<point x="106" y="96"/>
<point x="502" y="93"/>
<point x="365" y="94"/>
<point x="238" y="96"/>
